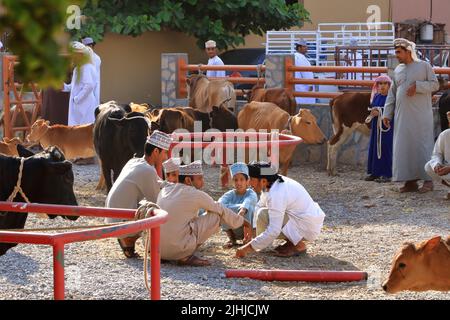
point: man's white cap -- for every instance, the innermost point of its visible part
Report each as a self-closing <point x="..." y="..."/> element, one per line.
<point x="160" y="139"/>
<point x="192" y="169"/>
<point x="301" y="42"/>
<point x="87" y="41"/>
<point x="210" y="44"/>
<point x="171" y="165"/>
<point x="353" y="42"/>
<point x="1" y="44"/>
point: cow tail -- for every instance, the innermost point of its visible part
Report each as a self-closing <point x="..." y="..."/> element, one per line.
<point x="337" y="135"/>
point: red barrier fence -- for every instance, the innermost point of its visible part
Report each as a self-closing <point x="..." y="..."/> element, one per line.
<point x="290" y="80"/>
<point x="57" y="241"/>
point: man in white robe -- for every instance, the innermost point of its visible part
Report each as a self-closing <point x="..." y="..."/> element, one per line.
<point x="409" y="104"/>
<point x="214" y="60"/>
<point x="301" y="61"/>
<point x="285" y="211"/>
<point x="97" y="63"/>
<point x="82" y="101"/>
<point x="438" y="167"/>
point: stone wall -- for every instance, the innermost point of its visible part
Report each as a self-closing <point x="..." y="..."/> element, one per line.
<point x="169" y="76"/>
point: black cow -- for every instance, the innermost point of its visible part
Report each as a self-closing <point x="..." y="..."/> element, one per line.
<point x="444" y="107"/>
<point x="46" y="178"/>
<point x="222" y="119"/>
<point x="118" y="136"/>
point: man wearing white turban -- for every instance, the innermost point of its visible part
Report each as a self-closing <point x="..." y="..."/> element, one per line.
<point x="409" y="104"/>
<point x="82" y="101"/>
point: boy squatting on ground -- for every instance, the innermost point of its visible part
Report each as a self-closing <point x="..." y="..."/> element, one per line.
<point x="185" y="231"/>
<point x="285" y="210"/>
<point x="241" y="200"/>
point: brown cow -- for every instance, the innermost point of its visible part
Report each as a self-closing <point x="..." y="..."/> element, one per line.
<point x="267" y="115"/>
<point x="280" y="96"/>
<point x="8" y="147"/>
<point x="421" y="267"/>
<point x="348" y="112"/>
<point x="74" y="141"/>
<point x="204" y="94"/>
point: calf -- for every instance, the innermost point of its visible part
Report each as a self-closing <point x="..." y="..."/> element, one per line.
<point x="348" y="112"/>
<point x="46" y="178"/>
<point x="421" y="267"/>
<point x="282" y="97"/>
<point x="74" y="141"/>
<point x="8" y="147"/>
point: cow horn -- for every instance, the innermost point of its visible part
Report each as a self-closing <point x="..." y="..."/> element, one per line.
<point x="225" y="101"/>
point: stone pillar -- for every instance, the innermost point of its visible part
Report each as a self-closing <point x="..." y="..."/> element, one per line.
<point x="171" y="81"/>
<point x="275" y="70"/>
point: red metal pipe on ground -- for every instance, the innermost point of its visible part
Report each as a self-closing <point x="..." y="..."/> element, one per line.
<point x="298" y="275"/>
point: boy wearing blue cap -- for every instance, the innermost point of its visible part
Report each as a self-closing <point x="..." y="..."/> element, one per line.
<point x="241" y="200"/>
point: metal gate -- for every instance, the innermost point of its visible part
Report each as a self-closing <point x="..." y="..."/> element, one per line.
<point x="20" y="110"/>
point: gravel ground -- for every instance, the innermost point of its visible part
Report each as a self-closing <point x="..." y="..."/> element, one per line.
<point x="365" y="225"/>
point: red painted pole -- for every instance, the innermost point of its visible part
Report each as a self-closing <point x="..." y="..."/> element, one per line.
<point x="58" y="271"/>
<point x="155" y="264"/>
<point x="298" y="275"/>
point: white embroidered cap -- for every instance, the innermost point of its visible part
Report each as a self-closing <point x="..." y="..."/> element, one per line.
<point x="238" y="167"/>
<point x="160" y="139"/>
<point x="87" y="41"/>
<point x="171" y="165"/>
<point x="210" y="44"/>
<point x="192" y="169"/>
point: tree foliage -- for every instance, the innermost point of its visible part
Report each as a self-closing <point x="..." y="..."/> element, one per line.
<point x="37" y="37"/>
<point x="225" y="21"/>
<point x="37" y="34"/>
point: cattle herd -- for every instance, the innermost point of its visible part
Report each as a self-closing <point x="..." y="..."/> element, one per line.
<point x="120" y="131"/>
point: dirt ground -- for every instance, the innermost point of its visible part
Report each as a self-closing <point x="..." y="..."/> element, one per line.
<point x="365" y="225"/>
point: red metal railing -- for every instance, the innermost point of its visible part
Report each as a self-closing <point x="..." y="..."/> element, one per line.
<point x="57" y="241"/>
<point x="183" y="68"/>
<point x="290" y="79"/>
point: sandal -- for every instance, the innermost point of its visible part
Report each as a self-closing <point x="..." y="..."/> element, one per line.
<point x="290" y="250"/>
<point x="409" y="187"/>
<point x="193" y="261"/>
<point x="426" y="187"/>
<point x="129" y="252"/>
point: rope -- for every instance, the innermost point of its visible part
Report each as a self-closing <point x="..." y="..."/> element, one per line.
<point x="18" y="188"/>
<point x="380" y="129"/>
<point x="145" y="211"/>
<point x="199" y="68"/>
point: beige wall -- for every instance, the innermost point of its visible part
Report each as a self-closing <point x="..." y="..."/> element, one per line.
<point x="323" y="11"/>
<point x="131" y="67"/>
<point x="420" y="9"/>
